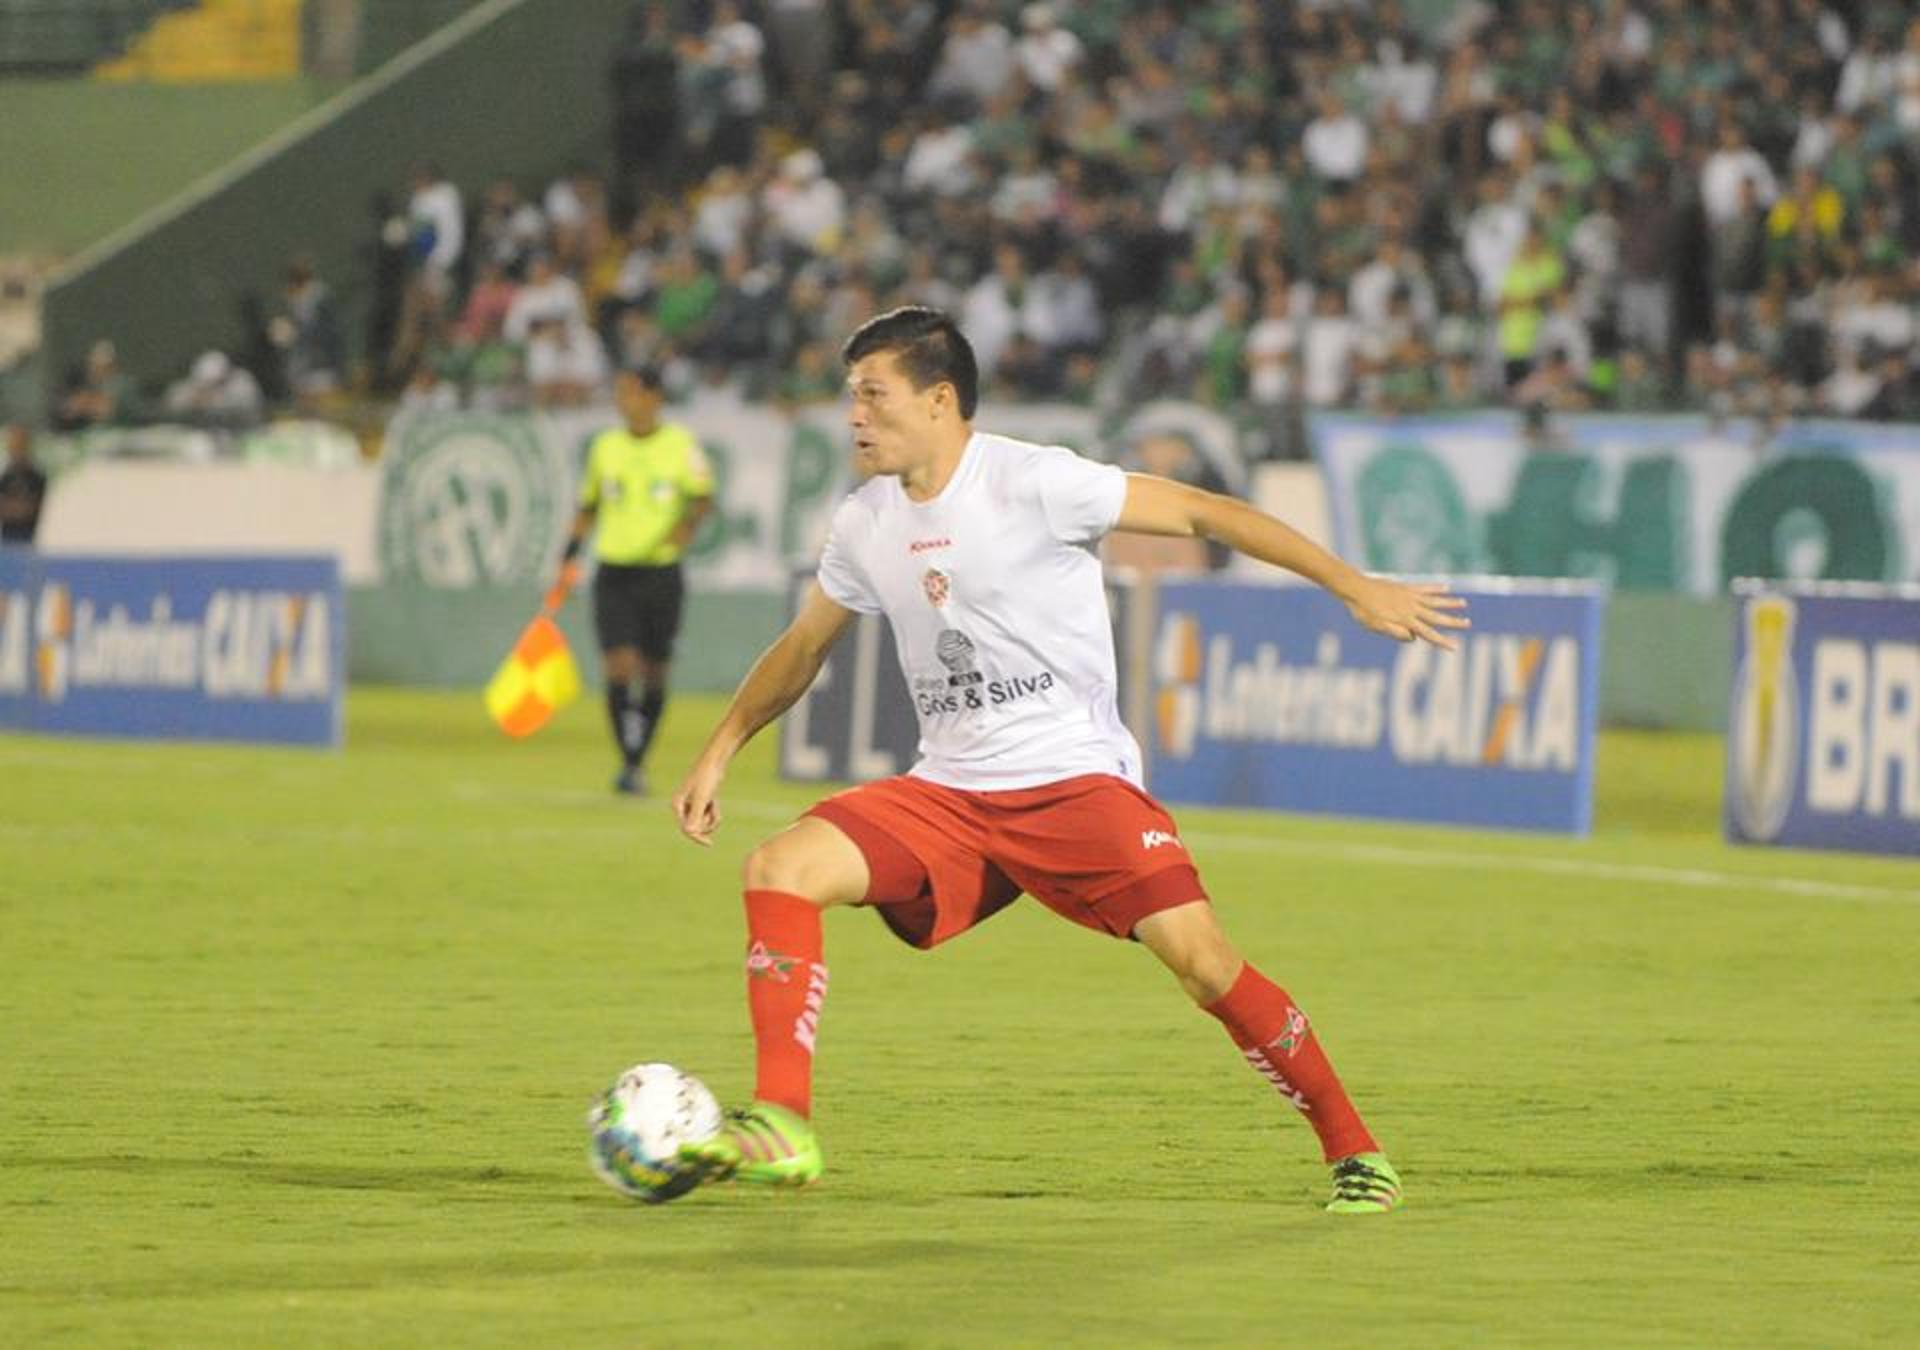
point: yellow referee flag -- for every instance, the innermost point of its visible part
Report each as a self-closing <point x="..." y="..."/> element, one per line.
<point x="537" y="679"/>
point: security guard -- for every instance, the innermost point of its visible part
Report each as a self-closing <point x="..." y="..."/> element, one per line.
<point x="647" y="487"/>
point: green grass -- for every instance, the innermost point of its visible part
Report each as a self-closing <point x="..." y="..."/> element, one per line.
<point x="298" y="1047"/>
<point x="81" y="158"/>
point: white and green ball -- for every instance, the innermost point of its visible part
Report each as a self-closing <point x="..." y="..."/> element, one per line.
<point x="638" y="1126"/>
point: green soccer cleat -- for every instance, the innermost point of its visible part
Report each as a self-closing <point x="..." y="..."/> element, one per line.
<point x="765" y="1144"/>
<point x="1364" y="1183"/>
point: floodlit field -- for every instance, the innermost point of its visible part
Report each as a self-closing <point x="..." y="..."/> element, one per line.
<point x="298" y="1047"/>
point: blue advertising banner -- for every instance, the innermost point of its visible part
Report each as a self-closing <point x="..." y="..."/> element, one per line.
<point x="228" y="648"/>
<point x="1823" y="735"/>
<point x="1271" y="696"/>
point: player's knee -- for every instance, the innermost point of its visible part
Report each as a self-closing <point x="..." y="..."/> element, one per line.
<point x="784" y="863"/>
<point x="1189" y="941"/>
<point x="1210" y="974"/>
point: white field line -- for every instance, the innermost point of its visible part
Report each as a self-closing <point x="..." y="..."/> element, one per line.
<point x="740" y="809"/>
<point x="1398" y="855"/>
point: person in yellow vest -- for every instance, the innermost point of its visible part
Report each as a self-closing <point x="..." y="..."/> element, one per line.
<point x="646" y="489"/>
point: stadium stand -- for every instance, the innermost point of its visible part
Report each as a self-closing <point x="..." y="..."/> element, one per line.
<point x="69" y="37"/>
<point x="1544" y="202"/>
<point x="1563" y="204"/>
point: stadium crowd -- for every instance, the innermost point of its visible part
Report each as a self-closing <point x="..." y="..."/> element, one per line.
<point x="1559" y="204"/>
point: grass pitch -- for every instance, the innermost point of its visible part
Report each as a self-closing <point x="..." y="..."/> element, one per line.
<point x="299" y="1046"/>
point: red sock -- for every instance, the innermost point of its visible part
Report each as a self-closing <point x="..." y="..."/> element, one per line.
<point x="786" y="984"/>
<point x="1277" y="1040"/>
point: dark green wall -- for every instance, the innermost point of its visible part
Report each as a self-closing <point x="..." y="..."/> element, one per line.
<point x="1666" y="661"/>
<point x="56" y="134"/>
<point x="515" y="89"/>
<point x="399" y="633"/>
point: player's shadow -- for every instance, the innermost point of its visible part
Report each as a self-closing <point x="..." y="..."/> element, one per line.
<point x="439" y="1177"/>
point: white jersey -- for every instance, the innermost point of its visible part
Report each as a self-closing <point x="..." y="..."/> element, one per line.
<point x="998" y="610"/>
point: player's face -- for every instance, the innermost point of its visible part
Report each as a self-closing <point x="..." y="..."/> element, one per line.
<point x="889" y="417"/>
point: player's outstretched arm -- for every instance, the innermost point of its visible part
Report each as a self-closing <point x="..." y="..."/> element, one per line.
<point x="776" y="682"/>
<point x="1425" y="611"/>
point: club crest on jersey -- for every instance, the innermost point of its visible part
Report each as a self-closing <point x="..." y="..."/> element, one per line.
<point x="938" y="586"/>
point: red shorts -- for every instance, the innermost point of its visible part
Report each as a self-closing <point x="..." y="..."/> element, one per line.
<point x="1094" y="849"/>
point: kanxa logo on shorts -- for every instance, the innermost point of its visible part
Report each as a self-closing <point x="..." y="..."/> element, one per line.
<point x="938" y="586"/>
<point x="766" y="964"/>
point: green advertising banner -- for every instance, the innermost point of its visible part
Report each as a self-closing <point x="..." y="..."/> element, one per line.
<point x="1651" y="504"/>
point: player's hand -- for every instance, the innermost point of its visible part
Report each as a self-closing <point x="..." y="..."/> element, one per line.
<point x="1424" y="611"/>
<point x="564" y="580"/>
<point x="696" y="806"/>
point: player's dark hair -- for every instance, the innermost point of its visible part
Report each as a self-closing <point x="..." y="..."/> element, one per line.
<point x="927" y="344"/>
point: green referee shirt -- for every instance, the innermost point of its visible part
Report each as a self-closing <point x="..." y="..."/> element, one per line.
<point x="639" y="488"/>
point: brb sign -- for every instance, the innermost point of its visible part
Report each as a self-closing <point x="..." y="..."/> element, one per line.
<point x="1272" y="696"/>
<point x="1823" y="739"/>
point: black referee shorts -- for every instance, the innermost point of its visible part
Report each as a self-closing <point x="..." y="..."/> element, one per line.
<point x="638" y="607"/>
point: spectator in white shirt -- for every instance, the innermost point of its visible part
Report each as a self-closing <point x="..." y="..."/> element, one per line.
<point x="937" y="161"/>
<point x="977" y="58"/>
<point x="1046" y="51"/>
<point x="1734" y="161"/>
<point x="437" y="220"/>
<point x="805" y="207"/>
<point x="547" y="293"/>
<point x="1335" y="142"/>
<point x="566" y="364"/>
<point x="1327" y="350"/>
<point x="1272" y="350"/>
<point x="1492" y="237"/>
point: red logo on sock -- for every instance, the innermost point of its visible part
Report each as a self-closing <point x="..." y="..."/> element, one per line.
<point x="1294" y="1036"/>
<point x="763" y="964"/>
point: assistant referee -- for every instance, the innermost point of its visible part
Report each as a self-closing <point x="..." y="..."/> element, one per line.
<point x="646" y="489"/>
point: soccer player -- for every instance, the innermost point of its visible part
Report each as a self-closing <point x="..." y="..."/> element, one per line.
<point x="978" y="549"/>
<point x="646" y="489"/>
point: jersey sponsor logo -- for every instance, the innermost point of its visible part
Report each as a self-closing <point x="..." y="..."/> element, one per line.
<point x="928" y="545"/>
<point x="938" y="587"/>
<point x="955" y="650"/>
<point x="965" y="688"/>
<point x="1765" y="719"/>
<point x="1152" y="839"/>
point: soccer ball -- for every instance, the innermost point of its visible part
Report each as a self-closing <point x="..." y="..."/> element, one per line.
<point x="638" y="1126"/>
